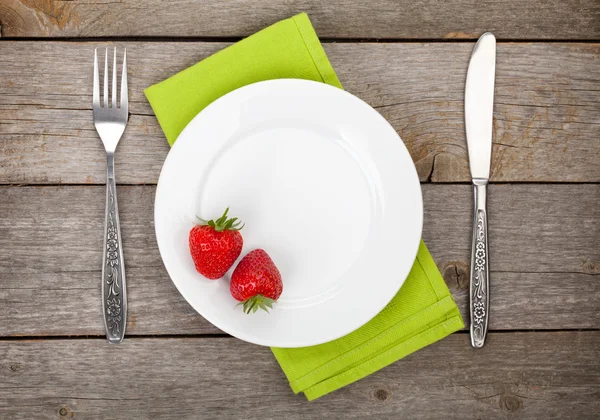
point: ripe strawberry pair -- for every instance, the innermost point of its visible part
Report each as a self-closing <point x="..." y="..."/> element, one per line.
<point x="216" y="244"/>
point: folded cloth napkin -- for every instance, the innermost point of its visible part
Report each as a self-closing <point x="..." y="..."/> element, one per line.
<point x="421" y="313"/>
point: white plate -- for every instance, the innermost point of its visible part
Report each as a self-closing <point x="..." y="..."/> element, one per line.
<point x="324" y="185"/>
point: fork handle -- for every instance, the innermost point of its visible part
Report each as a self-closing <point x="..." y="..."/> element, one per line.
<point x="114" y="293"/>
<point x="480" y="273"/>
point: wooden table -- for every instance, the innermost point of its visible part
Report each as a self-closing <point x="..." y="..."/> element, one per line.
<point x="406" y="58"/>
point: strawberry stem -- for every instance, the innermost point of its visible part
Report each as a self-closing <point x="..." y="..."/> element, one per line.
<point x="223" y="223"/>
<point x="251" y="305"/>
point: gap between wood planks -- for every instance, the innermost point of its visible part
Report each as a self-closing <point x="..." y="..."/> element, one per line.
<point x="224" y="335"/>
<point x="149" y="184"/>
<point x="325" y="40"/>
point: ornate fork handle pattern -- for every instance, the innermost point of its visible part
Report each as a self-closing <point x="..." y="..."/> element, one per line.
<point x="114" y="294"/>
<point x="479" y="286"/>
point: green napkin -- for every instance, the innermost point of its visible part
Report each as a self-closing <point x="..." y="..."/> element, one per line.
<point x="421" y="313"/>
<point x="289" y="49"/>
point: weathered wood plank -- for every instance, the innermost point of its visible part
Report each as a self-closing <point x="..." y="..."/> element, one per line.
<point x="427" y="19"/>
<point x="516" y="375"/>
<point x="545" y="258"/>
<point x="547" y="114"/>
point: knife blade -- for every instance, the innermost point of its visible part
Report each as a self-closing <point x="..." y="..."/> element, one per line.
<point x="479" y="109"/>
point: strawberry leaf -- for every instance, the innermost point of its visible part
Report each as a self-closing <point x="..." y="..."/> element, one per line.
<point x="222" y="223"/>
<point x="222" y="219"/>
<point x="253" y="304"/>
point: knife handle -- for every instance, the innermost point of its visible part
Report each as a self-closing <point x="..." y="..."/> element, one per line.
<point x="480" y="273"/>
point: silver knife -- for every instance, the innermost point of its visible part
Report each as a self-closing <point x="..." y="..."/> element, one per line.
<point x="479" y="107"/>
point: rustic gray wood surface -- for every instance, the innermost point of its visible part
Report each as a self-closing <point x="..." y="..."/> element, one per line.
<point x="542" y="358"/>
<point x="424" y="19"/>
<point x="546" y="126"/>
<point x="543" y="256"/>
<point x="517" y="375"/>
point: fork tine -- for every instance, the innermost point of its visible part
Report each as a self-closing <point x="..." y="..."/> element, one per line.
<point x="124" y="97"/>
<point x="96" y="96"/>
<point x="114" y="82"/>
<point x="106" y="79"/>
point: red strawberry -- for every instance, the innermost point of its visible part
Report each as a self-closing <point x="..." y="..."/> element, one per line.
<point x="215" y="245"/>
<point x="256" y="282"/>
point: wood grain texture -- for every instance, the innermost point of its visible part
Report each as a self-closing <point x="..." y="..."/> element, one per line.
<point x="425" y="19"/>
<point x="544" y="240"/>
<point x="547" y="116"/>
<point x="516" y="375"/>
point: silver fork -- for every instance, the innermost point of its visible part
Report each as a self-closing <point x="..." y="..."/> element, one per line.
<point x="110" y="122"/>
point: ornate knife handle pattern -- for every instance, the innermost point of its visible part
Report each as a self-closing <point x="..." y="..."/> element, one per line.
<point x="114" y="294"/>
<point x="479" y="286"/>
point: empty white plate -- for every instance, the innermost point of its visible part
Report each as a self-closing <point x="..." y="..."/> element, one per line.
<point x="324" y="185"/>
